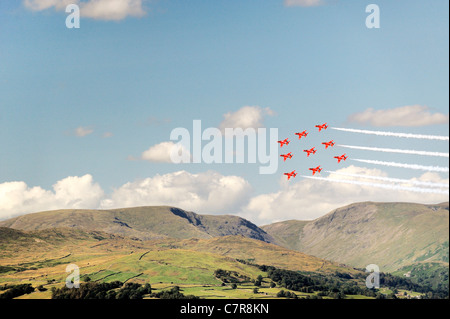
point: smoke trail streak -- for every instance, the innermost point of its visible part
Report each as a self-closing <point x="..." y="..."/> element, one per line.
<point x="393" y="150"/>
<point x="405" y="135"/>
<point x="392" y="180"/>
<point x="411" y="166"/>
<point x="386" y="186"/>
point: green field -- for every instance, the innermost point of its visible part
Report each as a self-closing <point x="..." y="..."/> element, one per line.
<point x="40" y="258"/>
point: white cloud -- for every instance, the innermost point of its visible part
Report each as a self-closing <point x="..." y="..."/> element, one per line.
<point x="83" y="131"/>
<point x="112" y="9"/>
<point x="303" y="3"/>
<point x="310" y="199"/>
<point x="17" y="198"/>
<point x="245" y="117"/>
<point x="208" y="192"/>
<point x="160" y="153"/>
<point x="95" y="9"/>
<point x="410" y="115"/>
<point x="39" y="5"/>
<point x="431" y="177"/>
<point x="212" y="193"/>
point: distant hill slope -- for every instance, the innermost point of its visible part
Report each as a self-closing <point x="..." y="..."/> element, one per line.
<point x="21" y="247"/>
<point x="262" y="253"/>
<point x="41" y="256"/>
<point x="286" y="233"/>
<point x="391" y="235"/>
<point x="142" y="222"/>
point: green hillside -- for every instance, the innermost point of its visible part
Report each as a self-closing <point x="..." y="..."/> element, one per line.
<point x="167" y="247"/>
<point x="255" y="251"/>
<point x="286" y="233"/>
<point x="40" y="258"/>
<point x="390" y="235"/>
<point x="142" y="222"/>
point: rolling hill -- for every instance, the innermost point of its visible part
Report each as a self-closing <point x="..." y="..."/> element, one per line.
<point x="168" y="246"/>
<point x="390" y="235"/>
<point x="142" y="222"/>
<point x="40" y="257"/>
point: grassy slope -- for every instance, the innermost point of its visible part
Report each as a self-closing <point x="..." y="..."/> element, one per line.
<point x="263" y="253"/>
<point x="391" y="235"/>
<point x="38" y="257"/>
<point x="286" y="233"/>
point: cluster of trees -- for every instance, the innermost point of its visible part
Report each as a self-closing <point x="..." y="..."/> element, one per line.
<point x="336" y="286"/>
<point x="13" y="291"/>
<point x="286" y="294"/>
<point x="116" y="290"/>
<point x="173" y="293"/>
<point x="111" y="290"/>
<point x="133" y="291"/>
<point x="395" y="283"/>
<point x="227" y="276"/>
<point x="258" y="281"/>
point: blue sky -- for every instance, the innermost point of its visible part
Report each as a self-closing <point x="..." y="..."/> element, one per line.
<point x="128" y="82"/>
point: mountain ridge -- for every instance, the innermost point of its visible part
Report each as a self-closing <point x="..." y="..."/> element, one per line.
<point x="391" y="235"/>
<point x="144" y="222"/>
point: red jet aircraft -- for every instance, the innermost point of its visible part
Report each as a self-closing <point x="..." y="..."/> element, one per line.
<point x="323" y="126"/>
<point x="285" y="141"/>
<point x="315" y="170"/>
<point x="291" y="174"/>
<point x="285" y="156"/>
<point x="304" y="133"/>
<point x="312" y="150"/>
<point x="340" y="158"/>
<point x="330" y="143"/>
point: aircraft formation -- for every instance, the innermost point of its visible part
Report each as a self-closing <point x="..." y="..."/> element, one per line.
<point x="310" y="151"/>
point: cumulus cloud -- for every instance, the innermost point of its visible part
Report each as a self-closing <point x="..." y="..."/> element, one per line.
<point x="303" y="3"/>
<point x="83" y="131"/>
<point x="17" y="198"/>
<point x="213" y="193"/>
<point x="95" y="9"/>
<point x="112" y="9"/>
<point x="245" y="117"/>
<point x="208" y="192"/>
<point x="410" y="115"/>
<point x="160" y="153"/>
<point x="39" y="5"/>
<point x="310" y="199"/>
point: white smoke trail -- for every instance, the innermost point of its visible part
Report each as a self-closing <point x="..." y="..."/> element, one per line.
<point x="386" y="186"/>
<point x="411" y="166"/>
<point x="393" y="150"/>
<point x="392" y="180"/>
<point x="405" y="135"/>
